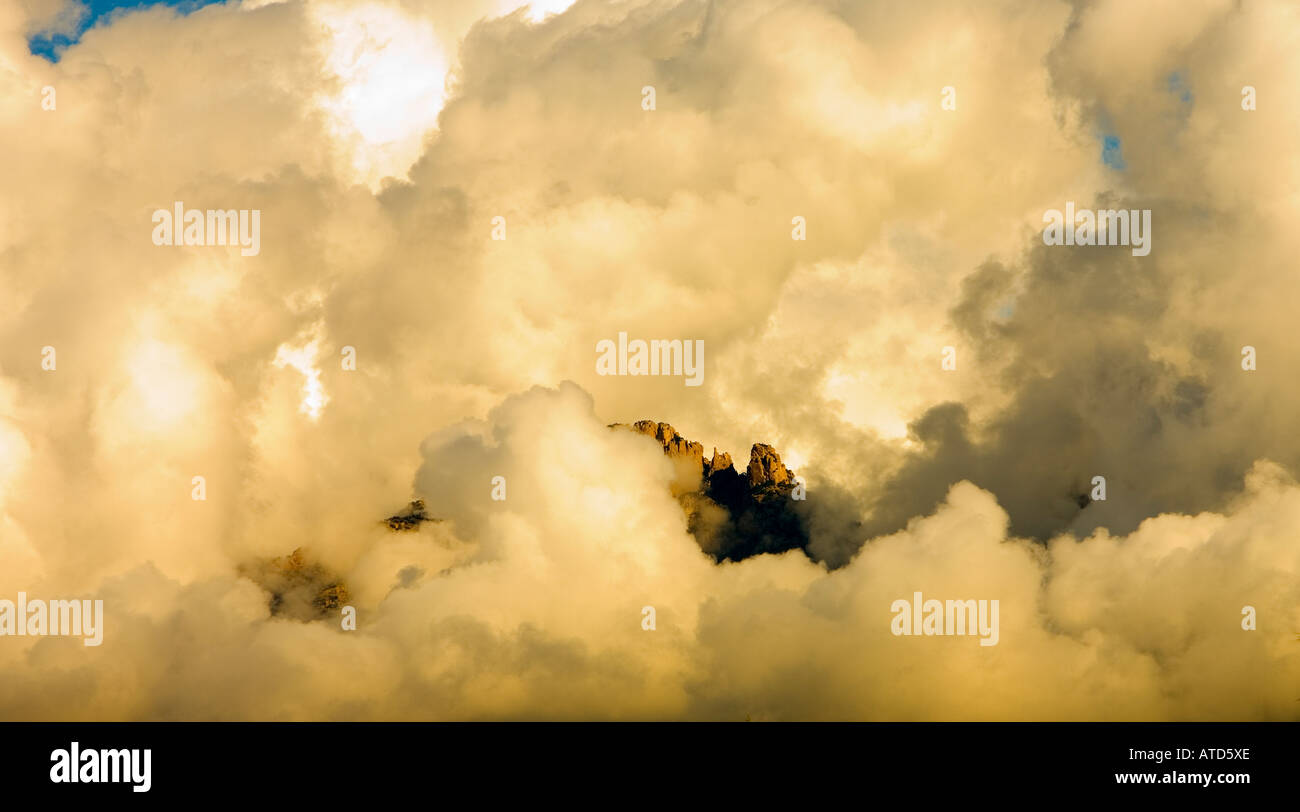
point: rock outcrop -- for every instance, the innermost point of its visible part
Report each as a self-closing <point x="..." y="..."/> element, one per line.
<point x="410" y="518"/>
<point x="733" y="516"/>
<point x="765" y="467"/>
<point x="720" y="462"/>
<point x="299" y="588"/>
<point x="675" y="445"/>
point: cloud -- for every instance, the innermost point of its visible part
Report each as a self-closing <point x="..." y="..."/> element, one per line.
<point x="379" y="143"/>
<point x="531" y="607"/>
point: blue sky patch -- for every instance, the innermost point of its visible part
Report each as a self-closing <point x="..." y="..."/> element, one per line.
<point x="1111" y="154"/>
<point x="1179" y="88"/>
<point x="51" y="46"/>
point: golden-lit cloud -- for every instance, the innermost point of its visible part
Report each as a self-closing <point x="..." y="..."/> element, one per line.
<point x="380" y="141"/>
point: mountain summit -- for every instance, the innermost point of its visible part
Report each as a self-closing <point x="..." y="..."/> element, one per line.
<point x="732" y="515"/>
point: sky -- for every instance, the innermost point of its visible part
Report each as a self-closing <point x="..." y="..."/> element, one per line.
<point x="386" y="143"/>
<point x="50" y="44"/>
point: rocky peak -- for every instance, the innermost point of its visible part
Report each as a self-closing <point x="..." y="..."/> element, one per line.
<point x="733" y="515"/>
<point x="720" y="462"/>
<point x="299" y="587"/>
<point x="410" y="518"/>
<point x="765" y="467"/>
<point x="674" y="444"/>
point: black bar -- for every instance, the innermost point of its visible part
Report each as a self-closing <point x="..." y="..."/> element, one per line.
<point x="626" y="762"/>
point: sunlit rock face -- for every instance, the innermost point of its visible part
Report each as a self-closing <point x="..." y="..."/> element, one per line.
<point x="299" y="588"/>
<point x="733" y="516"/>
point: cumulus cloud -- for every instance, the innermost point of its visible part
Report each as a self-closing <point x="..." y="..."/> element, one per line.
<point x="532" y="607"/>
<point x="379" y="142"/>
